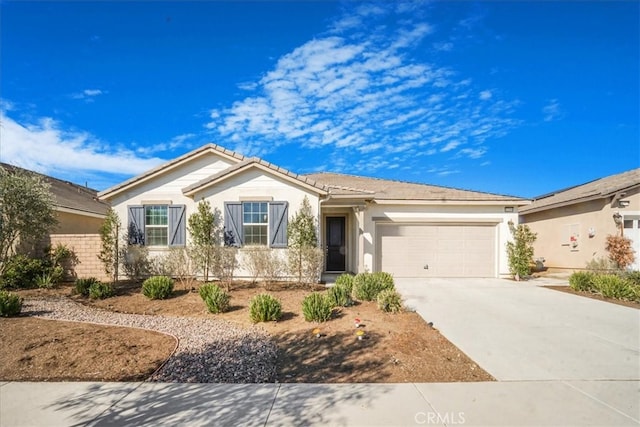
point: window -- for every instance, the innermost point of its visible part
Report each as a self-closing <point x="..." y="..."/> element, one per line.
<point x="256" y="223"/>
<point x="156" y="225"/>
<point x="255" y="220"/>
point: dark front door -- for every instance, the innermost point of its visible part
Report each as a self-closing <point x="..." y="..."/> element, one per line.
<point x="336" y="248"/>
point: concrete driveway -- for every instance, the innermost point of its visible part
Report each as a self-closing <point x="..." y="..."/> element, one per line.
<point x="523" y="331"/>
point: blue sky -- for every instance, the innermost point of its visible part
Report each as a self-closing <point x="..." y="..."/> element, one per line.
<point x="517" y="98"/>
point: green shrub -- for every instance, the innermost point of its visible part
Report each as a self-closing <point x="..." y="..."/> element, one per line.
<point x="50" y="278"/>
<point x="22" y="271"/>
<point x="316" y="307"/>
<point x="216" y="299"/>
<point x="600" y="265"/>
<point x="157" y="287"/>
<point x="82" y="285"/>
<point x="613" y="286"/>
<point x="367" y="286"/>
<point x="10" y="304"/>
<point x="635" y="292"/>
<point x="390" y="301"/>
<point x="345" y="280"/>
<point x="340" y="296"/>
<point x="384" y="279"/>
<point x="582" y="281"/>
<point x="264" y="307"/>
<point x="633" y="277"/>
<point x="99" y="290"/>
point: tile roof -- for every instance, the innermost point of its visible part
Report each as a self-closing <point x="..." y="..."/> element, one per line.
<point x="597" y="189"/>
<point x="383" y="189"/>
<point x="69" y="195"/>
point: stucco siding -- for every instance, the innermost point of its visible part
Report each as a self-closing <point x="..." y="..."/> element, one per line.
<point x="69" y="223"/>
<point x="569" y="237"/>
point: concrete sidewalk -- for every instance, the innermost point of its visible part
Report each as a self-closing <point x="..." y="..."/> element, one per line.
<point x="519" y="403"/>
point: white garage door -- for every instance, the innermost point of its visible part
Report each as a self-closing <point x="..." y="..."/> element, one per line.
<point x="429" y="250"/>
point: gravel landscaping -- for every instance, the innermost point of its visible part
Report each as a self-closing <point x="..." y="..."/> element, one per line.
<point x="208" y="350"/>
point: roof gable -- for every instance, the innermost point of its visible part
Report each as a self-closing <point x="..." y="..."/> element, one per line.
<point x="172" y="165"/>
<point x="593" y="190"/>
<point x="252" y="163"/>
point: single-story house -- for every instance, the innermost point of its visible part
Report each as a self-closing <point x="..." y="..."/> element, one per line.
<point x="80" y="216"/>
<point x="572" y="224"/>
<point x="364" y="224"/>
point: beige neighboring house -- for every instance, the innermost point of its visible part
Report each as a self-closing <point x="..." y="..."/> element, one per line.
<point x="364" y="224"/>
<point x="572" y="224"/>
<point x="80" y="216"/>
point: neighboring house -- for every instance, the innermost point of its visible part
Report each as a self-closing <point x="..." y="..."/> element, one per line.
<point x="572" y="224"/>
<point x="80" y="216"/>
<point x="365" y="224"/>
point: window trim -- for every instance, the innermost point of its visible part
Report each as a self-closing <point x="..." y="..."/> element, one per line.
<point x="264" y="224"/>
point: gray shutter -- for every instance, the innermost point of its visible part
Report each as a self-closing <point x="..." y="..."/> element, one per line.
<point x="278" y="222"/>
<point x="177" y="225"/>
<point x="234" y="233"/>
<point x="136" y="225"/>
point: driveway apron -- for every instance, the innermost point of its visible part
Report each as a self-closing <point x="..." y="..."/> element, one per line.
<point x="521" y="331"/>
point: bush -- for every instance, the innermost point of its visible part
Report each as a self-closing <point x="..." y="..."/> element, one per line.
<point x="48" y="279"/>
<point x="582" y="281"/>
<point x="390" y="301"/>
<point x="340" y="296"/>
<point x="83" y="285"/>
<point x="345" y="280"/>
<point x="600" y="265"/>
<point x="316" y="307"/>
<point x="10" y="304"/>
<point x="613" y="286"/>
<point x="99" y="290"/>
<point x="264" y="308"/>
<point x="22" y="271"/>
<point x="135" y="261"/>
<point x="157" y="287"/>
<point x="620" y="250"/>
<point x="214" y="297"/>
<point x="367" y="286"/>
<point x="633" y="277"/>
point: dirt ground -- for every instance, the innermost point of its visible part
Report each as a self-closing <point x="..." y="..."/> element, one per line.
<point x="396" y="348"/>
<point x="591" y="295"/>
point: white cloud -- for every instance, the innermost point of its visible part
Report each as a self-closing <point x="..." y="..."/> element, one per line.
<point x="44" y="146"/>
<point x="87" y="94"/>
<point x="485" y="95"/>
<point x="361" y="89"/>
<point x="552" y="111"/>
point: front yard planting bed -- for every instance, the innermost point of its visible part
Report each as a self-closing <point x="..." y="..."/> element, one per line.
<point x="394" y="348"/>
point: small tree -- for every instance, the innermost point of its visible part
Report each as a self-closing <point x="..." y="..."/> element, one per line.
<point x="26" y="210"/>
<point x="301" y="235"/>
<point x="620" y="251"/>
<point x="110" y="250"/>
<point x="520" y="250"/>
<point x="205" y="229"/>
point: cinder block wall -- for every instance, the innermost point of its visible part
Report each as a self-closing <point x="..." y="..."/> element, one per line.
<point x="86" y="248"/>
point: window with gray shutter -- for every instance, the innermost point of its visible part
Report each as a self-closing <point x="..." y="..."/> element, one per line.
<point x="233" y="235"/>
<point x="278" y="221"/>
<point x="177" y="225"/>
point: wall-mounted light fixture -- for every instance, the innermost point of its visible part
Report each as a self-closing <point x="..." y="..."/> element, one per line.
<point x="623" y="203"/>
<point x="617" y="218"/>
<point x="508" y="209"/>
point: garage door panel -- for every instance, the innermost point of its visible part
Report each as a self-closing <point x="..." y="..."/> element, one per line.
<point x="447" y="250"/>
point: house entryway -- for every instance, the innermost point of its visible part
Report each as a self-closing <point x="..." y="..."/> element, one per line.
<point x="335" y="238"/>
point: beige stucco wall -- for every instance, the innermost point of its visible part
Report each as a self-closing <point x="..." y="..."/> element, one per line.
<point x="588" y="222"/>
<point x="72" y="223"/>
